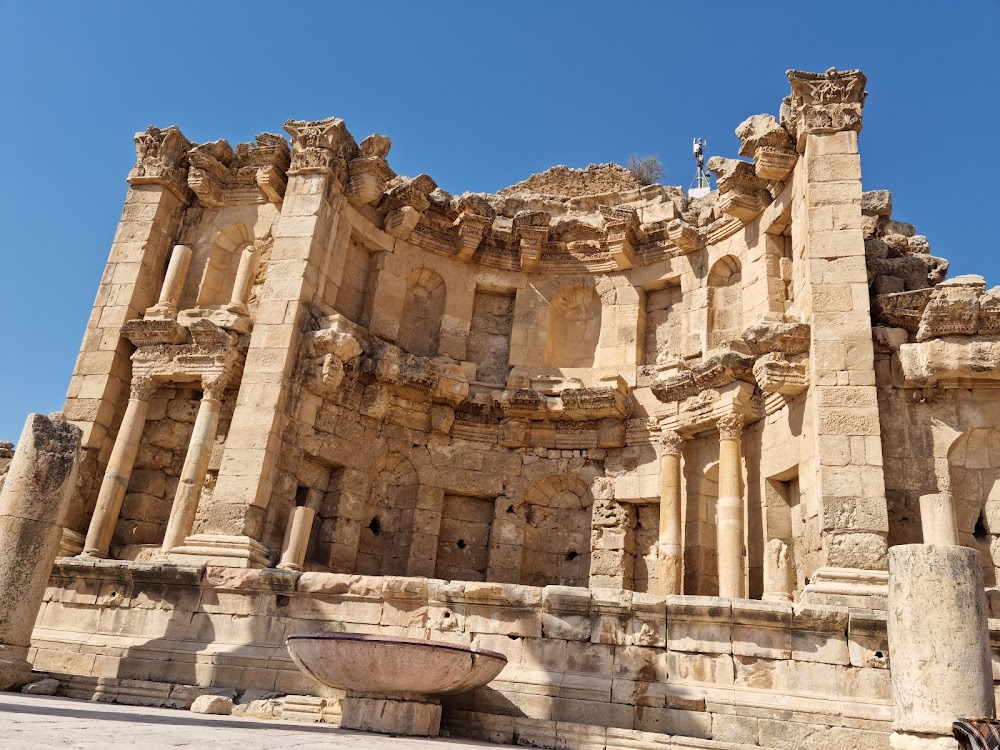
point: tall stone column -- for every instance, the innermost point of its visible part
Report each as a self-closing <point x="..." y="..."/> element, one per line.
<point x="185" y="506"/>
<point x="35" y="495"/>
<point x="729" y="508"/>
<point x="939" y="643"/>
<point x="823" y="114"/>
<point x="670" y="550"/>
<point x="173" y="284"/>
<point x="310" y="216"/>
<point x="119" y="471"/>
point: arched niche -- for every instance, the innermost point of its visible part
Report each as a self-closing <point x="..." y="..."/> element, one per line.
<point x="725" y="302"/>
<point x="218" y="267"/>
<point x="423" y="308"/>
<point x="974" y="476"/>
<point x="556" y="525"/>
<point x="387" y="520"/>
<point x="574" y="328"/>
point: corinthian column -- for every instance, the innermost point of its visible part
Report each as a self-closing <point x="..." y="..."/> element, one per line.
<point x="206" y="425"/>
<point x="670" y="552"/>
<point x="119" y="471"/>
<point x="729" y="508"/>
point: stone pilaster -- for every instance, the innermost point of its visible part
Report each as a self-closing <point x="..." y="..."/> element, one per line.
<point x="133" y="277"/>
<point x="729" y="508"/>
<point x="119" y="469"/>
<point x="824" y="116"/>
<point x="309" y="218"/>
<point x="670" y="552"/>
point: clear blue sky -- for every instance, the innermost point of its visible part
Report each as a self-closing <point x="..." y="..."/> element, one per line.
<point x="478" y="95"/>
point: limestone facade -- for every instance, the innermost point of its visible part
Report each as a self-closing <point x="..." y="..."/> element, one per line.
<point x="654" y="449"/>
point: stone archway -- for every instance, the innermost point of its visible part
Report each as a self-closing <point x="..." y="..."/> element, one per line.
<point x="556" y="526"/>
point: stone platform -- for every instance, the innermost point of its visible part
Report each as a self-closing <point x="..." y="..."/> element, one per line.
<point x="28" y="722"/>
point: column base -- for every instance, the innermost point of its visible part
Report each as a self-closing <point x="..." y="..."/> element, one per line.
<point x="220" y="550"/>
<point x="908" y="741"/>
<point x="15" y="669"/>
<point x="71" y="543"/>
<point x="848" y="587"/>
<point x="386" y="715"/>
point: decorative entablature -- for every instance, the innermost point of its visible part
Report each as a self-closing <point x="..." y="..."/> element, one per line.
<point x="713" y="408"/>
<point x="531" y="230"/>
<point x="162" y="159"/>
<point x="612" y="401"/>
<point x="780" y="347"/>
<point x="321" y="147"/>
<point x="202" y="352"/>
<point x="336" y="343"/>
<point x="623" y="234"/>
<point x="253" y="173"/>
<point x="727" y="366"/>
<point x="822" y="103"/>
<point x="742" y="194"/>
<point x="767" y="143"/>
<point x="958" y="307"/>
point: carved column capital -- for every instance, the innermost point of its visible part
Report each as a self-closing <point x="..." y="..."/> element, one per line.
<point x="823" y="103"/>
<point x="143" y="389"/>
<point x="730" y="426"/>
<point x="671" y="441"/>
<point x="161" y="159"/>
<point x="214" y="388"/>
<point x="321" y="147"/>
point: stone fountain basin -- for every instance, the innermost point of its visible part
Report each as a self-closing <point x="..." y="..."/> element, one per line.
<point x="391" y="665"/>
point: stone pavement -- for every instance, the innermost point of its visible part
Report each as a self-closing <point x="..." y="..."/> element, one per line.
<point x="29" y="722"/>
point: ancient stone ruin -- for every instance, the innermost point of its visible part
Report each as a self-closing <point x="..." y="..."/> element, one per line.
<point x="654" y="450"/>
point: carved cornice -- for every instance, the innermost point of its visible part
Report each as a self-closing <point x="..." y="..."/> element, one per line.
<point x="742" y="193"/>
<point x="787" y="337"/>
<point x="572" y="404"/>
<point x="168" y="352"/>
<point x="531" y="230"/>
<point x="823" y="103"/>
<point x="730" y="426"/>
<point x="622" y="234"/>
<point x="717" y="371"/>
<point x="767" y="143"/>
<point x="775" y="374"/>
<point x="321" y="147"/>
<point x="161" y="159"/>
<point x="253" y="173"/>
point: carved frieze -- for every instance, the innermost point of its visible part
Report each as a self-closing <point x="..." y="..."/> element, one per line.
<point x="622" y="234"/>
<point x="572" y="404"/>
<point x="725" y="367"/>
<point x="531" y="230"/>
<point x="321" y="147"/>
<point x="161" y="159"/>
<point x="822" y="103"/>
<point x="168" y="352"/>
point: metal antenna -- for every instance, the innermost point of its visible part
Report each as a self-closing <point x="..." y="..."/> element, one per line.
<point x="702" y="184"/>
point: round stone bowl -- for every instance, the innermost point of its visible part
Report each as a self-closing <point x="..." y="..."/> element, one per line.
<point x="390" y="665"/>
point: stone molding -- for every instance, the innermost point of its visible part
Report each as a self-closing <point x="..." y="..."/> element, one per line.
<point x="252" y="173"/>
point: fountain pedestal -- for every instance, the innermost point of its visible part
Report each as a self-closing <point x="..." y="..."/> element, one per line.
<point x="394" y="685"/>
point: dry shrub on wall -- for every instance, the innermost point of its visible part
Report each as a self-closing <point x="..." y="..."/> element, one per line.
<point x="646" y="169"/>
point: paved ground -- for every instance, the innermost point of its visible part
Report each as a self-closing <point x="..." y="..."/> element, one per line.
<point x="31" y="722"/>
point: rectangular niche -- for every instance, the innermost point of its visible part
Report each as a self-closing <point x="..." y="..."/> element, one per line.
<point x="664" y="330"/>
<point x="489" y="335"/>
<point x="464" y="540"/>
<point x="351" y="297"/>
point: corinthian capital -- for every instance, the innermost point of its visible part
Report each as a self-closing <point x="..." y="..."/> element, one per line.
<point x="730" y="426"/>
<point x="823" y="103"/>
<point x="321" y="147"/>
<point x="161" y="159"/>
<point x="672" y="442"/>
